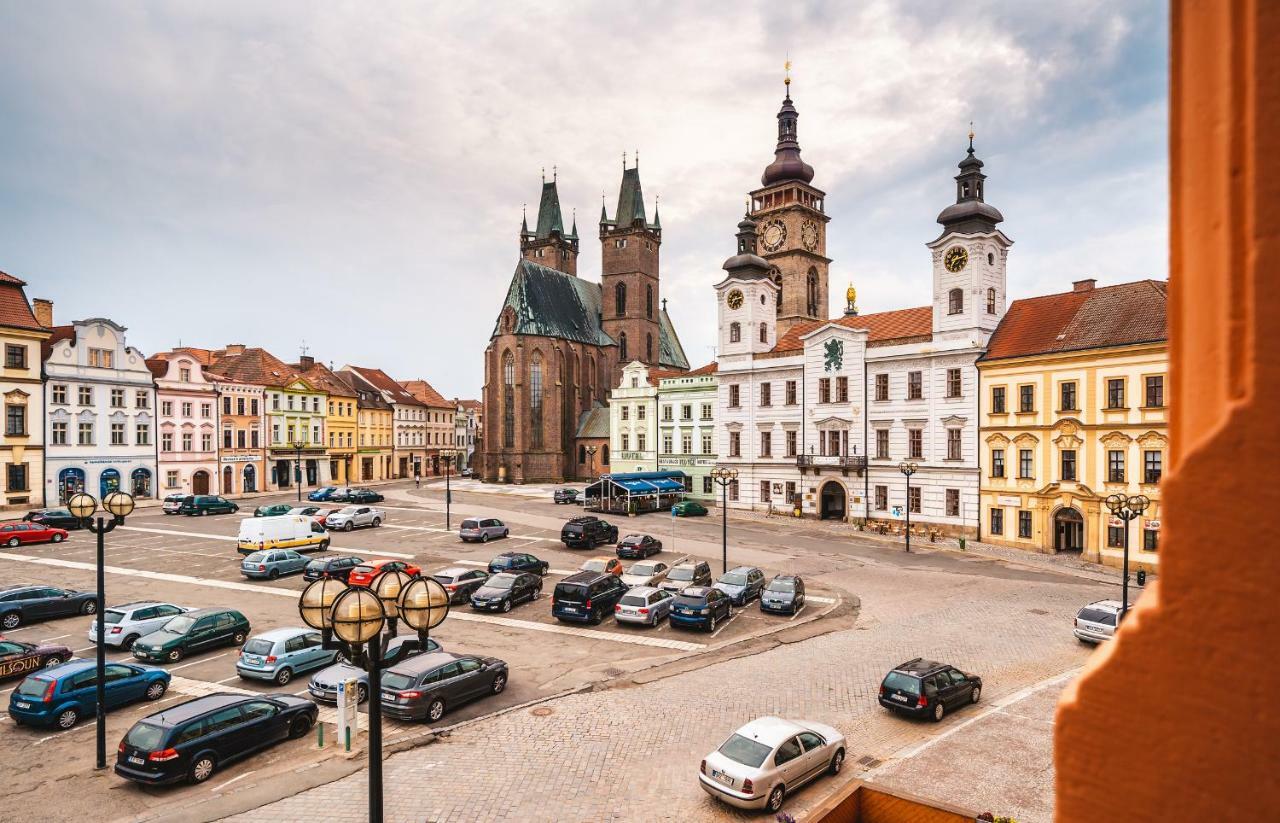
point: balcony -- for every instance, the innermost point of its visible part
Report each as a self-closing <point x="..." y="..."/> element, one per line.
<point x="844" y="462"/>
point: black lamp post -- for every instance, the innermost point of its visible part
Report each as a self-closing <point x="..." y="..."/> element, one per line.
<point x="357" y="616"/>
<point x="1126" y="508"/>
<point x="908" y="468"/>
<point x="82" y="506"/>
<point x="298" y="446"/>
<point x="447" y="457"/>
<point x="724" y="477"/>
<point x="591" y="461"/>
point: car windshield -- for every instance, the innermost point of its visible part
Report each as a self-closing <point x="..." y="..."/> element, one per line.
<point x="500" y="581"/>
<point x="396" y="681"/>
<point x="180" y="625"/>
<point x="110" y="616"/>
<point x="734" y="579"/>
<point x="634" y="600"/>
<point x="1102" y="616"/>
<point x="747" y="752"/>
<point x="33" y="687"/>
<point x="145" y="736"/>
<point x="643" y="568"/>
<point x="681" y="573"/>
<point x="632" y="540"/>
<point x="256" y="557"/>
<point x="781" y="586"/>
<point x="902" y="682"/>
<point x="470" y="524"/>
<point x="317" y="565"/>
<point x="258" y="646"/>
<point x="362" y="569"/>
<point x="593" y="566"/>
<point x="446" y="579"/>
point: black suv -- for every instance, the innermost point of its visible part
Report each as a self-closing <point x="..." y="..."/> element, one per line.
<point x="926" y="688"/>
<point x="588" y="532"/>
<point x="586" y="597"/>
<point x="339" y="567"/>
<point x="57" y="518"/>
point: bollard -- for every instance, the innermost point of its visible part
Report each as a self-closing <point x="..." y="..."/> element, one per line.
<point x="320" y="735"/>
<point x="348" y="738"/>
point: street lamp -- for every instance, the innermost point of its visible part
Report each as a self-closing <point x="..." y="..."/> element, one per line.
<point x="908" y="468"/>
<point x="357" y="616"/>
<point x="447" y="457"/>
<point x="1126" y="508"/>
<point x="591" y="461"/>
<point x="82" y="506"/>
<point x="724" y="477"/>
<point x="298" y="445"/>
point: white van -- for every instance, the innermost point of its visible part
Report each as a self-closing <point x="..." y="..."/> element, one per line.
<point x="286" y="531"/>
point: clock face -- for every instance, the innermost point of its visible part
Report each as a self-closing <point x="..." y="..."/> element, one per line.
<point x="735" y="299"/>
<point x="956" y="258"/>
<point x="809" y="235"/>
<point x="774" y="235"/>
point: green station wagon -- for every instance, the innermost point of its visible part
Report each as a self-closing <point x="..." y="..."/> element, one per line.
<point x="195" y="631"/>
<point x="202" y="504"/>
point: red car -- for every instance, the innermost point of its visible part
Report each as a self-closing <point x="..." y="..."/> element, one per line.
<point x="363" y="574"/>
<point x="322" y="514"/>
<point x="15" y="534"/>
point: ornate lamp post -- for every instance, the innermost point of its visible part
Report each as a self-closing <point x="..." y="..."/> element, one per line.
<point x="591" y="461"/>
<point x="1126" y="507"/>
<point x="908" y="468"/>
<point x="724" y="477"/>
<point x="82" y="506"/>
<point x="447" y="457"/>
<point x="298" y="445"/>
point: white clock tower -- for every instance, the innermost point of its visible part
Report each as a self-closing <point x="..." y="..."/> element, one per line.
<point x="746" y="299"/>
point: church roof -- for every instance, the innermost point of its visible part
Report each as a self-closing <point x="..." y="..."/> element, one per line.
<point x="549" y="217"/>
<point x="883" y="328"/>
<point x="594" y="422"/>
<point x="670" y="352"/>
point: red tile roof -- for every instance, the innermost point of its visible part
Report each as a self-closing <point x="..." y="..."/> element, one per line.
<point x="884" y="328"/>
<point x="383" y="382"/>
<point x="15" y="309"/>
<point x="1119" y="315"/>
<point x="422" y="390"/>
<point x="320" y="376"/>
<point x="710" y="368"/>
<point x="256" y="366"/>
<point x="60" y="333"/>
<point x="478" y="405"/>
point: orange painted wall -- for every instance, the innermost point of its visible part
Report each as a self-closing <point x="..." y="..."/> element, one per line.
<point x="858" y="802"/>
<point x="1179" y="718"/>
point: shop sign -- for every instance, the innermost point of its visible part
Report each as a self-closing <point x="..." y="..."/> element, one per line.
<point x="1009" y="500"/>
<point x="1154" y="525"/>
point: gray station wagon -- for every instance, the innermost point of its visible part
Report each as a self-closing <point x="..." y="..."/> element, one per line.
<point x="424" y="687"/>
<point x="482" y="529"/>
<point x="272" y="563"/>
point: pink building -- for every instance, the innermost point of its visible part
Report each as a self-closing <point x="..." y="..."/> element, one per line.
<point x="188" y="425"/>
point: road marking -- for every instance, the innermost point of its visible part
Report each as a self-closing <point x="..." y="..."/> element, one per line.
<point x="51" y="639"/>
<point x="593" y="634"/>
<point x="202" y="688"/>
<point x="732" y="618"/>
<point x="194" y="662"/>
<point x="150" y="575"/>
<point x="454" y="531"/>
<point x="228" y="538"/>
<point x="813" y="598"/>
<point x="232" y="780"/>
<point x="797" y="614"/>
<point x="483" y="565"/>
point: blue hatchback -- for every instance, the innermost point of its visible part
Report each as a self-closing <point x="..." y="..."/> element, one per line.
<point x="60" y="696"/>
<point x="323" y="494"/>
<point x="279" y="654"/>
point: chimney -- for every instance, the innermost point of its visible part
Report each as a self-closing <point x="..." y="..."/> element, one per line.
<point x="306" y="361"/>
<point x="1083" y="285"/>
<point x="43" y="310"/>
<point x="234" y="349"/>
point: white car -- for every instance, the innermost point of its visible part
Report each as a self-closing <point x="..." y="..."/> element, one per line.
<point x="767" y="759"/>
<point x="1096" y="622"/>
<point x="128" y="622"/>
<point x="172" y="502"/>
<point x="645" y="573"/>
<point x="350" y="517"/>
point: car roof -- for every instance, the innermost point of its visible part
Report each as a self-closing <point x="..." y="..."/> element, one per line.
<point x="69" y="668"/>
<point x="771" y="731"/>
<point x="919" y="666"/>
<point x="585" y="578"/>
<point x="424" y="662"/>
<point x="455" y="571"/>
<point x="644" y="591"/>
<point x="786" y="577"/>
<point x="183" y="712"/>
<point x="687" y="562"/>
<point x="743" y="569"/>
<point x="209" y="610"/>
<point x="21" y="588"/>
<point x="635" y="536"/>
<point x="695" y="591"/>
<point x="1111" y="605"/>
<point x="137" y="604"/>
<point x="283" y="634"/>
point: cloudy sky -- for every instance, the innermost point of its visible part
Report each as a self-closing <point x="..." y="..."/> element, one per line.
<point x="351" y="174"/>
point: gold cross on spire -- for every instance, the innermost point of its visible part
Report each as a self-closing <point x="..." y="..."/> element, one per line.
<point x="787" y="67"/>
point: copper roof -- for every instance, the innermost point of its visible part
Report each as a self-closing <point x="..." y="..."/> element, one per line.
<point x="422" y="390"/>
<point x="1119" y="315"/>
<point x="15" y="309"/>
<point x="884" y="328"/>
<point x="383" y="382"/>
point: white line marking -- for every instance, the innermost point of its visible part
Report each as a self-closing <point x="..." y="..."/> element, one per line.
<point x="798" y="611"/>
<point x="485" y="565"/>
<point x="228" y="538"/>
<point x="732" y="618"/>
<point x="813" y="598"/>
<point x="57" y="637"/>
<point x="194" y="662"/>
<point x="163" y="576"/>
<point x="232" y="780"/>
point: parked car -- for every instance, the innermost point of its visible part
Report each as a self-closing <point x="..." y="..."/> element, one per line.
<point x="742" y="584"/>
<point x="364" y="496"/>
<point x="19" y="533"/>
<point x="339" y="495"/>
<point x="926" y="688"/>
<point x="769" y="758"/>
<point x="272" y="564"/>
<point x="321" y="517"/>
<point x="279" y="654"/>
<point x="643" y="604"/>
<point x="700" y="607"/>
<point x="339" y="567"/>
<point x="482" y="529"/>
<point x="191" y="740"/>
<point x="62" y="695"/>
<point x="587" y="532"/>
<point x="565" y="496"/>
<point x="687" y="573"/>
<point x="467" y="472"/>
<point x="172" y="502"/>
<point x="1096" y="622"/>
<point x="198" y="630"/>
<point x="352" y="517"/>
<point x="424" y="687"/>
<point x="18" y="658"/>
<point x="202" y="504"/>
<point x="586" y="597"/>
<point x="128" y="622"/>
<point x="58" y="518"/>
<point x="305" y="511"/>
<point x="322" y="494"/>
<point x="604" y="565"/>
<point x="325" y="683"/>
<point x="460" y="582"/>
<point x="29" y="604"/>
<point x="363" y="574"/>
<point x="274" y="510"/>
<point x="506" y="589"/>
<point x="688" y="508"/>
<point x="645" y="573"/>
<point x="638" y="546"/>
<point x="518" y="562"/>
<point x="784" y="594"/>
<point x="284" y="531"/>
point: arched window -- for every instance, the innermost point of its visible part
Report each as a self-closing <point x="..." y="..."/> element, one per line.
<point x="991" y="301"/>
<point x="648" y="301"/>
<point x="735" y="332"/>
<point x="622" y="347"/>
<point x="648" y="348"/>
<point x="508" y="401"/>
<point x="604" y="455"/>
<point x="582" y="454"/>
<point x="813" y="293"/>
<point x="620" y="299"/>
<point x="764" y="333"/>
<point x="777" y="281"/>
<point x="955" y="301"/>
<point x="535" y="401"/>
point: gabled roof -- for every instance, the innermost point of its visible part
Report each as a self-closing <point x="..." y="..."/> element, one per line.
<point x="549" y="303"/>
<point x="380" y="380"/>
<point x="883" y="328"/>
<point x="423" y="390"/>
<point x="594" y="422"/>
<point x="670" y="352"/>
<point x="478" y="405"/>
<point x="59" y="333"/>
<point x="257" y="366"/>
<point x="710" y="368"/>
<point x="1120" y="315"/>
<point x="322" y="377"/>
<point x="15" y="309"/>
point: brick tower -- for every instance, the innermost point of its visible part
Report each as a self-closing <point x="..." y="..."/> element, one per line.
<point x="548" y="245"/>
<point x="630" y="305"/>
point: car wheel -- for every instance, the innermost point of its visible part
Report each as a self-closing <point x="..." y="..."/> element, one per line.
<point x="238" y="639"/>
<point x="174" y="655"/>
<point x="546" y="569"/>
<point x="203" y="512"/>
<point x="299" y="726"/>
<point x="284" y="676"/>
<point x="12" y="543"/>
<point x="377" y="522"/>
<point x="836" y="763"/>
<point x="506" y="605"/>
<point x="975" y="695"/>
<point x="484" y="537"/>
<point x="57" y="538"/>
<point x="202" y="768"/>
<point x="129" y="641"/>
<point x="436" y="710"/>
<point x="499" y="683"/>
<point x="938" y="711"/>
<point x="362" y="692"/>
<point x="67" y="718"/>
<point x="776" y="797"/>
<point x="53" y="660"/>
<point x="273" y="574"/>
<point x="11" y="621"/>
<point x="711" y="627"/>
<point x="89" y="607"/>
<point x="348" y="526"/>
<point x="156" y="690"/>
<point x="324" y="545"/>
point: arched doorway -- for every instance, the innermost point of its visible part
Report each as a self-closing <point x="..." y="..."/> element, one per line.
<point x="250" y="479"/>
<point x="70" y="481"/>
<point x="200" y="482"/>
<point x="228" y="477"/>
<point x="831" y="501"/>
<point x="108" y="482"/>
<point x="140" y="482"/>
<point x="1068" y="530"/>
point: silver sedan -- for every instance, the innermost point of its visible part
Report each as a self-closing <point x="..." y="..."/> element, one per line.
<point x="765" y="760"/>
<point x="645" y="573"/>
<point x="644" y="605"/>
<point x="351" y="517"/>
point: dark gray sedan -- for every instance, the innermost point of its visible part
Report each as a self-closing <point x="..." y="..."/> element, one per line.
<point x="325" y="683"/>
<point x="27" y="604"/>
<point x="424" y="687"/>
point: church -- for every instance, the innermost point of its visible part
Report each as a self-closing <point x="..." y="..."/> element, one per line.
<point x="560" y="342"/>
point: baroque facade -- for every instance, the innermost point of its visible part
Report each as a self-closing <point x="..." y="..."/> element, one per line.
<point x="22" y="448"/>
<point x="186" y="399"/>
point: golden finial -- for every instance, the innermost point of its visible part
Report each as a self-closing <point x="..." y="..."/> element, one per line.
<point x="970" y="135"/>
<point x="851" y="297"/>
<point x="787" y="67"/>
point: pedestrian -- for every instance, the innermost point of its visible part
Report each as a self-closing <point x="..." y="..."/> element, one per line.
<point x="417" y="481"/>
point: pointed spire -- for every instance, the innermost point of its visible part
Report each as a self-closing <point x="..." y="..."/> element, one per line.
<point x="657" y="221"/>
<point x="573" y="232"/>
<point x="604" y="215"/>
<point x="549" y="218"/>
<point x="524" y="219"/>
<point x="787" y="164"/>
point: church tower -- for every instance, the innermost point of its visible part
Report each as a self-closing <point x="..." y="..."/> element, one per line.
<point x="548" y="245"/>
<point x="792" y="226"/>
<point x="630" y="307"/>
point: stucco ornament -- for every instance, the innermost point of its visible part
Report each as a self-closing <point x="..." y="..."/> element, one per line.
<point x="834" y="355"/>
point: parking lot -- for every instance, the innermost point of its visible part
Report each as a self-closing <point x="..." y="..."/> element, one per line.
<point x="192" y="561"/>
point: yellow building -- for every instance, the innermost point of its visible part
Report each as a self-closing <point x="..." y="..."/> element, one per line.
<point x="340" y="420"/>
<point x="374" y="435"/>
<point x="1073" y="391"/>
<point x="22" y="447"/>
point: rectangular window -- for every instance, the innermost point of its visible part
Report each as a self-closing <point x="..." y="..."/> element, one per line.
<point x="686" y="443"/>
<point x="142" y="434"/>
<point x="187" y="442"/>
<point x="59" y="395"/>
<point x="686" y="411"/>
<point x="791" y="492"/>
<point x="1026" y="398"/>
<point x="734" y="396"/>
<point x="1115" y="537"/>
<point x="706" y="443"/>
<point x="882" y="387"/>
<point x="766" y="444"/>
<point x="953" y="444"/>
<point x="1115" y="393"/>
<point x="641" y="441"/>
<point x="253" y="439"/>
<point x="101" y="358"/>
<point x="206" y="442"/>
<point x="953" y="382"/>
<point x="1115" y="466"/>
<point x="791" y="443"/>
<point x="824" y="389"/>
<point x="239" y="406"/>
<point x="59" y="434"/>
<point x="86" y="434"/>
<point x="117" y="398"/>
<point x="913" y="500"/>
<point x="791" y="392"/>
<point x="17" y="477"/>
<point x="667" y="413"/>
<point x="240" y="439"/>
<point x="1155" y="391"/>
<point x="915" y="443"/>
<point x="1150" y="539"/>
<point x="1067" y="393"/>
<point x="707" y="484"/>
<point x="226" y="438"/>
<point x="733" y="490"/>
<point x="117" y="434"/>
<point x="1024" y="463"/>
<point x="15" y="420"/>
<point x="626" y="412"/>
<point x="765" y="497"/>
<point x="624" y="439"/>
<point x="15" y="356"/>
<point x="640" y="412"/>
<point x="766" y="394"/>
<point x="186" y="409"/>
<point x="706" y="411"/>
<point x="142" y="399"/>
<point x="1069" y="464"/>
<point x="735" y="444"/>
<point x="171" y="480"/>
<point x="882" y="444"/>
<point x="997" y="399"/>
<point x="166" y="442"/>
<point x="226" y="405"/>
<point x="915" y="385"/>
<point x="997" y="462"/>
<point x="882" y="498"/>
<point x="206" y="410"/>
<point x="275" y="434"/>
<point x="166" y="408"/>
<point x="667" y="443"/>
<point x="1024" y="523"/>
<point x="842" y="390"/>
<point x="953" y="502"/>
<point x="997" y="521"/>
<point x="1151" y="466"/>
<point x="85" y="395"/>
<point x="253" y="407"/>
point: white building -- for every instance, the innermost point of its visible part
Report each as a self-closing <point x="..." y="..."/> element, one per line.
<point x="100" y="424"/>
<point x="633" y="420"/>
<point x="686" y="428"/>
<point x="822" y="418"/>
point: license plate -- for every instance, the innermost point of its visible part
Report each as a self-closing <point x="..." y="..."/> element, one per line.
<point x="900" y="698"/>
<point x="140" y="655"/>
<point x="253" y="661"/>
<point x="722" y="777"/>
<point x="22" y="705"/>
<point x="137" y="761"/>
<point x="572" y="609"/>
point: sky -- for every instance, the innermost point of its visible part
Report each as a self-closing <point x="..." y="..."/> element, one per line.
<point x="349" y="176"/>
